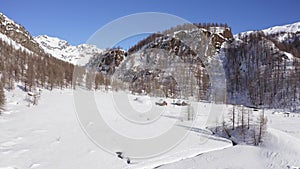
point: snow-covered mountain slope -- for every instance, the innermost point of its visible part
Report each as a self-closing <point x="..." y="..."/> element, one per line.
<point x="257" y="51"/>
<point x="16" y="45"/>
<point x="19" y="36"/>
<point x="13" y="31"/>
<point x="281" y="33"/>
<point x="62" y="50"/>
<point x="280" y="38"/>
<point x="290" y="28"/>
<point x="8" y="26"/>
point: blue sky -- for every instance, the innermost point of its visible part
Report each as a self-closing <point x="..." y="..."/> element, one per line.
<point x="76" y="20"/>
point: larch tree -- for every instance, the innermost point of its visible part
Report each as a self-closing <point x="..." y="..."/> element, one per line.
<point x="89" y="80"/>
<point x="262" y="126"/>
<point x="2" y="97"/>
<point x="233" y="117"/>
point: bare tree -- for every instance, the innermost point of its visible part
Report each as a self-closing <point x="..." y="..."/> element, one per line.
<point x="233" y="116"/>
<point x="190" y="113"/>
<point x="30" y="76"/>
<point x="248" y="120"/>
<point x="89" y="80"/>
<point x="2" y="97"/>
<point x="107" y="82"/>
<point x="254" y="136"/>
<point x="262" y="126"/>
<point x="243" y="120"/>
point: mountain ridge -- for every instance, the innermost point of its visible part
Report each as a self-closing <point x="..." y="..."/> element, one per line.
<point x="71" y="54"/>
<point x="63" y="50"/>
<point x="159" y="63"/>
<point x="44" y="44"/>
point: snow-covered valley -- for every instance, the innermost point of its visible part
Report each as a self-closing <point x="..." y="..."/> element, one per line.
<point x="49" y="135"/>
<point x="161" y="104"/>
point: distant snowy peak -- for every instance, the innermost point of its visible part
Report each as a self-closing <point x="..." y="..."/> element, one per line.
<point x="14" y="33"/>
<point x="284" y="29"/>
<point x="290" y="28"/>
<point x="52" y="43"/>
<point x="62" y="50"/>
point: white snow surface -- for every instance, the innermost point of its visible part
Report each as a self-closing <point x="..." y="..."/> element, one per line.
<point x="284" y="29"/>
<point x="281" y="149"/>
<point x="49" y="135"/>
<point x="61" y="49"/>
<point x="289" y="28"/>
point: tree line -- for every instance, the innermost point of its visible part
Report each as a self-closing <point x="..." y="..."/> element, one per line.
<point x="257" y="73"/>
<point x="32" y="70"/>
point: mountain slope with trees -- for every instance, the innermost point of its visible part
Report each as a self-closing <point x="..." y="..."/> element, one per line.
<point x="262" y="67"/>
<point x="23" y="60"/>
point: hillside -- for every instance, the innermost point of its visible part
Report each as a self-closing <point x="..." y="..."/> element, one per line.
<point x="215" y="99"/>
<point x="163" y="62"/>
<point x="23" y="60"/>
<point x="41" y="45"/>
<point x="18" y="34"/>
<point x="262" y="68"/>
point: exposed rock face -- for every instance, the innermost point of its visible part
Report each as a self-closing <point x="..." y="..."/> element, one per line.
<point x="19" y="34"/>
<point x="108" y="61"/>
<point x="173" y="63"/>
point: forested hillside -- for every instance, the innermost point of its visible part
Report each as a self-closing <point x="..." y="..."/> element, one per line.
<point x="262" y="71"/>
<point x="262" y="68"/>
<point x="31" y="69"/>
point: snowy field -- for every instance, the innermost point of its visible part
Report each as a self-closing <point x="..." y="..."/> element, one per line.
<point x="49" y="134"/>
<point x="280" y="150"/>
